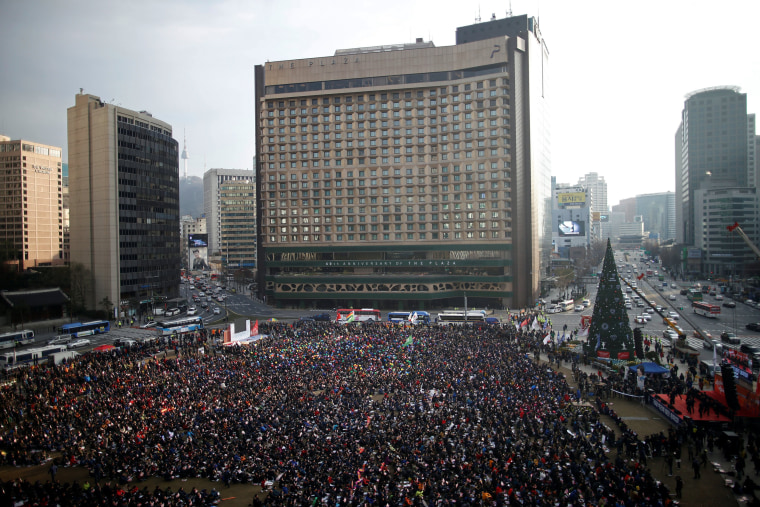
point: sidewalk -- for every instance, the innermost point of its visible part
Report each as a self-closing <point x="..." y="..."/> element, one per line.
<point x="714" y="486"/>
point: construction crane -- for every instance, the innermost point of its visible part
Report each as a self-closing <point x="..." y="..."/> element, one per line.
<point x="746" y="239"/>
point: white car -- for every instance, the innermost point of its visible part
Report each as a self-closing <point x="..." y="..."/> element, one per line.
<point x="76" y="344"/>
<point x="578" y="308"/>
<point x="719" y="297"/>
<point x="646" y="316"/>
<point x="672" y="297"/>
<point x="60" y="340"/>
<point x="641" y="320"/>
<point x="673" y="315"/>
<point x="217" y="311"/>
<point x="192" y="310"/>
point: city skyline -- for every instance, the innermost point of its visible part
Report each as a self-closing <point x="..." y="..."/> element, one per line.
<point x="616" y="86"/>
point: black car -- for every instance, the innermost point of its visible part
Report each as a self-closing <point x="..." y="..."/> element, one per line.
<point x="727" y="337"/>
<point x="683" y="292"/>
<point x="729" y="304"/>
<point x="753" y="326"/>
<point x="322" y="317"/>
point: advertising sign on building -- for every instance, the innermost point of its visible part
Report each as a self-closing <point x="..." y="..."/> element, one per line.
<point x="571" y="198"/>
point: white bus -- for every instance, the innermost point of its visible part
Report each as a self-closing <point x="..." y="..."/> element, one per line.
<point x="459" y="317"/>
<point x="20" y="358"/>
<point x="22" y="337"/>
<point x="567" y="305"/>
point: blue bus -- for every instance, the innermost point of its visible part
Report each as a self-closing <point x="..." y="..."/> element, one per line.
<point x="20" y="358"/>
<point x="80" y="329"/>
<point x="179" y="326"/>
<point x="399" y="317"/>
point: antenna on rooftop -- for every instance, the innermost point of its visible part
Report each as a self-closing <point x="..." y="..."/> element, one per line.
<point x="477" y="20"/>
<point x="509" y="11"/>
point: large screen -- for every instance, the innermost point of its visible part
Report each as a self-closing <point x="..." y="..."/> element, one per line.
<point x="572" y="228"/>
<point x="197" y="249"/>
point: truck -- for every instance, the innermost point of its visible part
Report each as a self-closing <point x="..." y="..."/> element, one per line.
<point x="60" y="357"/>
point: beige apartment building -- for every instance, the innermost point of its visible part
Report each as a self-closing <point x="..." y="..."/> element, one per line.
<point x="31" y="203"/>
<point x="407" y="176"/>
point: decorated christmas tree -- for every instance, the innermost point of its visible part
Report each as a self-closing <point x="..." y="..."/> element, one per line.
<point x="610" y="333"/>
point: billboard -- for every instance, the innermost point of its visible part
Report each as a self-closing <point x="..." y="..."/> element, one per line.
<point x="197" y="249"/>
<point x="571" y="198"/>
<point x="572" y="228"/>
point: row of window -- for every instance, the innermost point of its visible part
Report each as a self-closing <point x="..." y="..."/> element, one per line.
<point x="410" y="236"/>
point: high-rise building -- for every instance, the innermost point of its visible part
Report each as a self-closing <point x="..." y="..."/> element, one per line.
<point x="712" y="150"/>
<point x="215" y="207"/>
<point x="658" y="213"/>
<point x="408" y="175"/>
<point x="597" y="187"/>
<point x="31" y="203"/>
<point x="124" y="189"/>
<point x="237" y="224"/>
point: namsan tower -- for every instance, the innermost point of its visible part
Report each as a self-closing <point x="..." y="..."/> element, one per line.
<point x="184" y="156"/>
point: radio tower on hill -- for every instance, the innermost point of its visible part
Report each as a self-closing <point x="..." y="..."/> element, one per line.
<point x="184" y="152"/>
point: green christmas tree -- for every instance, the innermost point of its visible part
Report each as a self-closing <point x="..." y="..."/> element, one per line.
<point x="610" y="332"/>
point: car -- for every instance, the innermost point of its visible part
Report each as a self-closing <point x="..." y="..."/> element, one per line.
<point x="628" y="306"/>
<point x="673" y="315"/>
<point x="192" y="310"/>
<point x="650" y="310"/>
<point x="731" y="338"/>
<point x="749" y="302"/>
<point x="729" y="304"/>
<point x="641" y="320"/>
<point x="322" y="317"/>
<point x="124" y="342"/>
<point x="76" y="344"/>
<point x="753" y="326"/>
<point x="578" y="308"/>
<point x="673" y="286"/>
<point x="60" y="340"/>
<point x="670" y="335"/>
<point x="683" y="292"/>
<point x="719" y="297"/>
<point x="646" y="316"/>
<point x="171" y="312"/>
<point x="217" y="311"/>
<point x="202" y="294"/>
<point x="586" y="303"/>
<point x="148" y="325"/>
<point x="204" y="304"/>
<point x="672" y="297"/>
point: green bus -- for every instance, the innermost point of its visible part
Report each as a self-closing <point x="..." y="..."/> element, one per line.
<point x="694" y="295"/>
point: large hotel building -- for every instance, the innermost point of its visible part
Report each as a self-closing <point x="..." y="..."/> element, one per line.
<point x="31" y="204"/>
<point x="406" y="176"/>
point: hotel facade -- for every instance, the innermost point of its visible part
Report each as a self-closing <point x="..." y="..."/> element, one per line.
<point x="31" y="204"/>
<point x="407" y="176"/>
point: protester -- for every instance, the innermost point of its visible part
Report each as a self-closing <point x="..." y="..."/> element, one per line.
<point x="376" y="414"/>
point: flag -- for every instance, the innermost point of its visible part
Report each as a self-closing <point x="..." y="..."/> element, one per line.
<point x="547" y="339"/>
<point x="583" y="332"/>
<point x="409" y="341"/>
<point x="413" y="317"/>
<point x="524" y="323"/>
<point x="255" y="329"/>
<point x="731" y="228"/>
<point x="534" y="326"/>
<point x="641" y="276"/>
<point x="351" y="317"/>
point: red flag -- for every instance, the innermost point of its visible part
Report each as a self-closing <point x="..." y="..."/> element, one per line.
<point x="640" y="276"/>
<point x="732" y="227"/>
<point x="255" y="329"/>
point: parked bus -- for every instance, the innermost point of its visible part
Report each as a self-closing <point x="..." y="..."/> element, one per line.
<point x="22" y="337"/>
<point x="458" y="317"/>
<point x="399" y="317"/>
<point x="179" y="326"/>
<point x="694" y="295"/>
<point x="345" y="315"/>
<point x="567" y="305"/>
<point x="79" y="329"/>
<point x="20" y="358"/>
<point x="706" y="309"/>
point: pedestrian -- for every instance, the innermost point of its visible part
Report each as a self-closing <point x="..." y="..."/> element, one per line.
<point x="669" y="462"/>
<point x="679" y="486"/>
<point x="695" y="464"/>
<point x="53" y="471"/>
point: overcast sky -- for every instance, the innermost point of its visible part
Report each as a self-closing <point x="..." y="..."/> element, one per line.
<point x="619" y="70"/>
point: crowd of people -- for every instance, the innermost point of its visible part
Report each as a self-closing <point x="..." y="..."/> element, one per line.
<point x="327" y="414"/>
